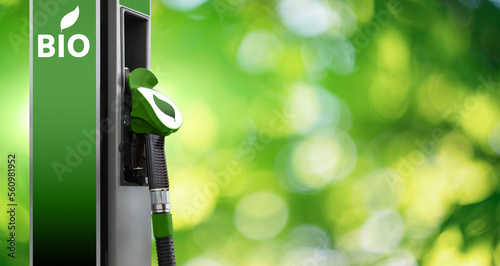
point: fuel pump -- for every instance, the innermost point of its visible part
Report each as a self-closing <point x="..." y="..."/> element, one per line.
<point x="153" y="117"/>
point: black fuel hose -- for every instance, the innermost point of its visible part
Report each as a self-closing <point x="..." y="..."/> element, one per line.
<point x="160" y="199"/>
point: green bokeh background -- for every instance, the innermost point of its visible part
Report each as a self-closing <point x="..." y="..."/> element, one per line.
<point x="316" y="132"/>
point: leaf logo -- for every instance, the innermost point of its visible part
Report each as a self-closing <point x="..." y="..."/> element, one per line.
<point x="70" y="18"/>
<point x="164" y="107"/>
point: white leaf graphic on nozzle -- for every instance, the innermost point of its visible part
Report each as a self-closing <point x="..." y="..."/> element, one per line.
<point x="70" y="19"/>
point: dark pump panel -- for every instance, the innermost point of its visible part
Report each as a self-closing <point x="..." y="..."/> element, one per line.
<point x="135" y="36"/>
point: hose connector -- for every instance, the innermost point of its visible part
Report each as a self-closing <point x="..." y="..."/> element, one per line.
<point x="160" y="200"/>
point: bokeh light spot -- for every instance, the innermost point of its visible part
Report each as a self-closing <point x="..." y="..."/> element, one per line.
<point x="335" y="53"/>
<point x="382" y="231"/>
<point x="194" y="197"/>
<point x="479" y="117"/>
<point x="424" y="215"/>
<point x="494" y="139"/>
<point x="315" y="256"/>
<point x="389" y="97"/>
<point x="311" y="107"/>
<point x="261" y="216"/>
<point x="348" y="24"/>
<point x="383" y="189"/>
<point x="454" y="150"/>
<point x="322" y="158"/>
<point x="393" y="53"/>
<point x="364" y="10"/>
<point x="199" y="129"/>
<point x="438" y="96"/>
<point x="448" y="250"/>
<point x="307" y="18"/>
<point x="304" y="107"/>
<point x="400" y="258"/>
<point x="259" y="52"/>
<point x="306" y="236"/>
<point x="183" y="5"/>
<point x="473" y="182"/>
<point x="496" y="3"/>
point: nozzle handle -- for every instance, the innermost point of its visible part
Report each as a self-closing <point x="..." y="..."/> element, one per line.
<point x="157" y="164"/>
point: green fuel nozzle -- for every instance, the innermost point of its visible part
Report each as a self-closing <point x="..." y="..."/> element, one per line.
<point x="154" y="116"/>
<point x="152" y="112"/>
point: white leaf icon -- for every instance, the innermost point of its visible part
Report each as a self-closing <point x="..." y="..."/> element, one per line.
<point x="70" y="19"/>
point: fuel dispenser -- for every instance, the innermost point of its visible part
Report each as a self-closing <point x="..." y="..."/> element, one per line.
<point x="97" y="129"/>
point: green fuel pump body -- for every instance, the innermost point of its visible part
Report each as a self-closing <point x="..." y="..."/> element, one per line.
<point x="89" y="146"/>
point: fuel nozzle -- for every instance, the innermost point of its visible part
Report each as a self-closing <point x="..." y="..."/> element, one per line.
<point x="153" y="117"/>
<point x="152" y="112"/>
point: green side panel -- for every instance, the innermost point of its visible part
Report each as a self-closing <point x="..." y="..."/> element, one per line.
<point x="14" y="136"/>
<point x="143" y="6"/>
<point x="162" y="225"/>
<point x="64" y="141"/>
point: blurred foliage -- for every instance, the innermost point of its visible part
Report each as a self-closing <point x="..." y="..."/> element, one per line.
<point x="358" y="132"/>
<point x="328" y="132"/>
